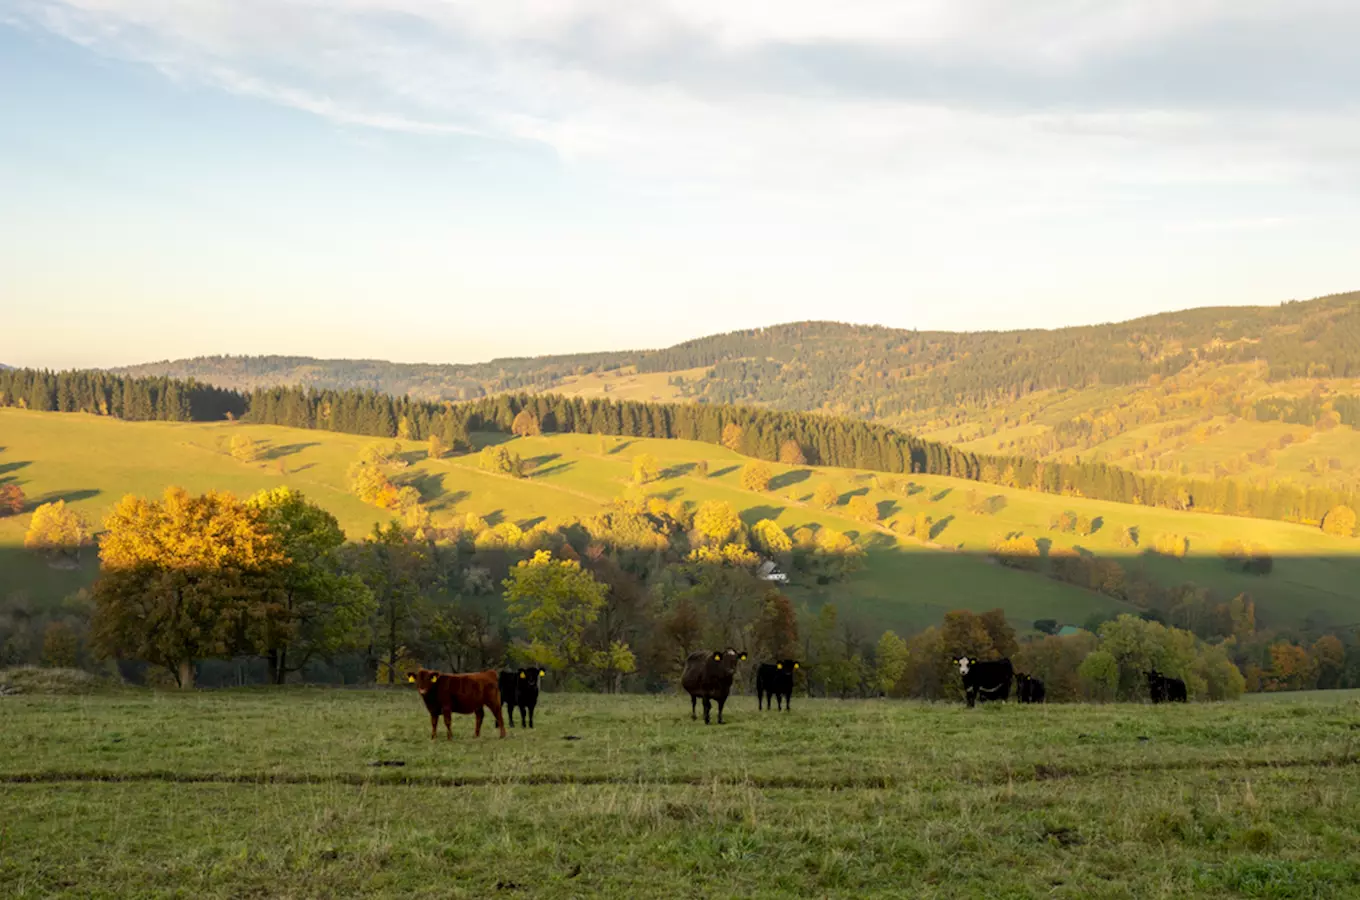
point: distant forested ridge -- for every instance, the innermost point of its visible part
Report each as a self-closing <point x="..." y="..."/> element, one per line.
<point x="106" y="394"/>
<point x="427" y="381"/>
<point x="867" y="371"/>
<point x="754" y="431"/>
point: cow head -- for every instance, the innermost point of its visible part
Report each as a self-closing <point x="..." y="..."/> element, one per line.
<point x="787" y="665"/>
<point x="964" y="664"/>
<point x="728" y="660"/>
<point x="529" y="677"/>
<point x="424" y="679"/>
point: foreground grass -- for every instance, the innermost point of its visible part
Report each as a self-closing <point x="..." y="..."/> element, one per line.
<point x="275" y="793"/>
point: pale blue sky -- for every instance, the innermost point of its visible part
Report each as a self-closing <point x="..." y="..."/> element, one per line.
<point x="440" y="181"/>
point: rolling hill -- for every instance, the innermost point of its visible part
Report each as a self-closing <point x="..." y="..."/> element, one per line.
<point x="1256" y="393"/>
<point x="905" y="584"/>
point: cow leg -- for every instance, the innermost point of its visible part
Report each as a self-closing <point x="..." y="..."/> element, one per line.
<point x="760" y="697"/>
<point x="788" y="701"/>
<point x="477" y="731"/>
<point x="434" y="725"/>
<point x="531" y="717"/>
<point x="448" y="723"/>
<point x="512" y="714"/>
<point x="708" y="704"/>
<point x="500" y="723"/>
<point x="692" y="714"/>
<point x="721" y="702"/>
<point x="972" y="696"/>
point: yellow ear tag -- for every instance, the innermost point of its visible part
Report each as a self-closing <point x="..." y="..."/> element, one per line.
<point x="542" y="673"/>
<point x="521" y="674"/>
<point x="411" y="678"/>
<point x="795" y="665"/>
<point x="717" y="656"/>
<point x="779" y="665"/>
<point x="743" y="657"/>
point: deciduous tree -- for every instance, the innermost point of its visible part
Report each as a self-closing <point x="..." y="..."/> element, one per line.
<point x="555" y="602"/>
<point x="12" y="500"/>
<point x="755" y="476"/>
<point x="526" y="424"/>
<point x="184" y="579"/>
<point x="57" y="530"/>
<point x="826" y="495"/>
<point x="1340" y="521"/>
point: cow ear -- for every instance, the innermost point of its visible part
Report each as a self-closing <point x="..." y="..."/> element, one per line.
<point x="717" y="656"/>
<point x="411" y="678"/>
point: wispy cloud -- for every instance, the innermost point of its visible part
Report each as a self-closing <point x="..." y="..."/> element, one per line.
<point x="985" y="105"/>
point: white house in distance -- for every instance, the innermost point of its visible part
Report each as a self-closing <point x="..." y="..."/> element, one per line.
<point x="768" y="571"/>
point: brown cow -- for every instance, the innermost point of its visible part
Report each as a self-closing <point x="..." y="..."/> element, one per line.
<point x="462" y="694"/>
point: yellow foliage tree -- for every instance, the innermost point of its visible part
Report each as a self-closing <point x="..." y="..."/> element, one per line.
<point x="770" y="538"/>
<point x="826" y="495"/>
<point x="862" y="508"/>
<point x="244" y="449"/>
<point x="183" y="579"/>
<point x="790" y="454"/>
<point x="1340" y="521"/>
<point x="56" y="530"/>
<point x="716" y="523"/>
<point x="645" y="468"/>
<point x="731" y="436"/>
<point x="525" y="425"/>
<point x="756" y="476"/>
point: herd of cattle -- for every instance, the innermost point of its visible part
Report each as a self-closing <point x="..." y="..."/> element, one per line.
<point x="708" y="677"/>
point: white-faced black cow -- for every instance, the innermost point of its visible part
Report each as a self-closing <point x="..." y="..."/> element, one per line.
<point x="1028" y="689"/>
<point x="774" y="683"/>
<point x="1164" y="689"/>
<point x="708" y="675"/>
<point x="985" y="680"/>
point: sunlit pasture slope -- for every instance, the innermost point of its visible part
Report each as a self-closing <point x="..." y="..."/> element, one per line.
<point x="329" y="793"/>
<point x="904" y="583"/>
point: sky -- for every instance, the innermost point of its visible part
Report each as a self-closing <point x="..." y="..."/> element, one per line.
<point x="448" y="181"/>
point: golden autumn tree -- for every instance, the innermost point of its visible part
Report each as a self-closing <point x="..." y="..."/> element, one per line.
<point x="184" y="578"/>
<point x="731" y="436"/>
<point x="826" y="495"/>
<point x="1340" y="521"/>
<point x="791" y="454"/>
<point x="756" y="476"/>
<point x="526" y="424"/>
<point x="57" y="530"/>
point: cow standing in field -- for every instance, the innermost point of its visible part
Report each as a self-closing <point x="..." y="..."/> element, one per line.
<point x="1028" y="689"/>
<point x="1163" y="689"/>
<point x="985" y="680"/>
<point x="774" y="684"/>
<point x="519" y="689"/>
<point x="708" y="675"/>
<point x="463" y="694"/>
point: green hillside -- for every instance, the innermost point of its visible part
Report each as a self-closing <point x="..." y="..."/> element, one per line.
<point x="904" y="584"/>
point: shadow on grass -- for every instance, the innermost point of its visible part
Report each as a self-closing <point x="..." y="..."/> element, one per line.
<point x="938" y="528"/>
<point x="754" y="514"/>
<point x="68" y="496"/>
<point x="845" y="498"/>
<point x="887" y="509"/>
<point x="6" y="468"/>
<point x="941" y="495"/>
<point x="279" y="451"/>
<point x="620" y="447"/>
<point x="725" y="470"/>
<point x="789" y="479"/>
<point x="566" y="466"/>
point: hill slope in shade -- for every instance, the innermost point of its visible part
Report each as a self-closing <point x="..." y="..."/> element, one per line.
<point x="905" y="584"/>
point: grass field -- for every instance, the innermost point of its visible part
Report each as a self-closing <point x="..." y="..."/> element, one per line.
<point x="276" y="793"/>
<point x="905" y="584"/>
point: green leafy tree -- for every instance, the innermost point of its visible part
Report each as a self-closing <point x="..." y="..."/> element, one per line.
<point x="438" y="448"/>
<point x="555" y="602"/>
<point x="891" y="658"/>
<point x="398" y="570"/>
<point x="1099" y="674"/>
<point x="323" y="607"/>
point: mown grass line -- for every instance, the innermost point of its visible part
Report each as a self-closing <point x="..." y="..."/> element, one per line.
<point x="1001" y="775"/>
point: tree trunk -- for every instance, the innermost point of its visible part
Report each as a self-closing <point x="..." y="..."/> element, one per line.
<point x="186" y="674"/>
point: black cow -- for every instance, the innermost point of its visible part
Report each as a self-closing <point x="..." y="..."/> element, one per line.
<point x="774" y="683"/>
<point x="708" y="674"/>
<point x="1029" y="689"/>
<point x="519" y="689"/>
<point x="985" y="680"/>
<point x="1164" y="689"/>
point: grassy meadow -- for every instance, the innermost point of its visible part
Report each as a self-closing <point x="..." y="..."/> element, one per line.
<point x="904" y="584"/>
<point x="332" y="792"/>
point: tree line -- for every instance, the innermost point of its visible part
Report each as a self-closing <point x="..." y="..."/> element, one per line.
<point x="756" y="432"/>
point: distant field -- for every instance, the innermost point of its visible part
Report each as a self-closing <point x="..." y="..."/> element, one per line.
<point x="276" y="793"/>
<point x="905" y="584"/>
<point x="626" y="384"/>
